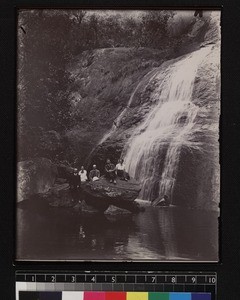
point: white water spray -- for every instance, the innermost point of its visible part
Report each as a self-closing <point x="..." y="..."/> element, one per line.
<point x="152" y="154"/>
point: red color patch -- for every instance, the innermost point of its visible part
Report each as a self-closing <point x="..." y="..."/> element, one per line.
<point x="115" y="296"/>
<point x="94" y="296"/>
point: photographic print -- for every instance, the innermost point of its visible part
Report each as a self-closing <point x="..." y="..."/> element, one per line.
<point x="118" y="135"/>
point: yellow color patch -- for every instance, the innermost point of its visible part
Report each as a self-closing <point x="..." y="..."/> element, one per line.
<point x="137" y="296"/>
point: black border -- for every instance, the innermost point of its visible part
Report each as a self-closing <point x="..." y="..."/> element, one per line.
<point x="229" y="267"/>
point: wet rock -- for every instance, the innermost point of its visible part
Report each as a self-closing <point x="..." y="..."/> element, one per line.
<point x="115" y="214"/>
<point x="113" y="210"/>
<point x="101" y="194"/>
<point x="198" y="178"/>
<point x="60" y="195"/>
<point x="84" y="207"/>
<point x="35" y="176"/>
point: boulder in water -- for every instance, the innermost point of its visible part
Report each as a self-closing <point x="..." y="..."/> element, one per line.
<point x="87" y="208"/>
<point x="101" y="194"/>
<point x="60" y="195"/>
<point x="113" y="210"/>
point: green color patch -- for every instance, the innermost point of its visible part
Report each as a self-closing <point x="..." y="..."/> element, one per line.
<point x="158" y="296"/>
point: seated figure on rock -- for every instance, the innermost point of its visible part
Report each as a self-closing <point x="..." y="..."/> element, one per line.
<point x="83" y="174"/>
<point x="94" y="174"/>
<point x="110" y="171"/>
<point x="121" y="170"/>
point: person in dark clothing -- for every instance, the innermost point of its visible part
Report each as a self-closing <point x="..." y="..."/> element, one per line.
<point x="110" y="171"/>
<point x="94" y="174"/>
<point x="75" y="183"/>
<point x="75" y="180"/>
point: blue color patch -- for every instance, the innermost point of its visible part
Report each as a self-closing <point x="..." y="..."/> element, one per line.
<point x="180" y="296"/>
<point x="201" y="296"/>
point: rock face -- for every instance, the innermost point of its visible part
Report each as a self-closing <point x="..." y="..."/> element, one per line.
<point x="35" y="176"/>
<point x="101" y="194"/>
<point x="64" y="171"/>
<point x="196" y="175"/>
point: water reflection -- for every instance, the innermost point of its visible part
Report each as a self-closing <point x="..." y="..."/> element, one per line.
<point x="158" y="233"/>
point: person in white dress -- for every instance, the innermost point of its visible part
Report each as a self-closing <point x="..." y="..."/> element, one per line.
<point x="83" y="174"/>
<point x="121" y="170"/>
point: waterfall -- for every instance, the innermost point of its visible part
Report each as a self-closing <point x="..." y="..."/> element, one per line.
<point x="152" y="154"/>
<point x="117" y="122"/>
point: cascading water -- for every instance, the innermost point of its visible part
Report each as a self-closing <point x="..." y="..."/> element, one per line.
<point x="152" y="154"/>
<point x="119" y="118"/>
<point x="151" y="74"/>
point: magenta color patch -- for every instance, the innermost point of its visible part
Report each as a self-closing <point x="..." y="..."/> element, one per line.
<point x="94" y="296"/>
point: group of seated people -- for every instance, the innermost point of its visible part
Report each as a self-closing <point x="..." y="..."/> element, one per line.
<point x="111" y="173"/>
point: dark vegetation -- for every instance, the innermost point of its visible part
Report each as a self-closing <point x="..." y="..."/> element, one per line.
<point x="50" y="42"/>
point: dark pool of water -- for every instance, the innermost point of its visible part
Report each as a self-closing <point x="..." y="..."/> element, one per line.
<point x="172" y="233"/>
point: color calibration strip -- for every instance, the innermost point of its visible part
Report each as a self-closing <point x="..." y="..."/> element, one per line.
<point x="25" y="295"/>
<point x="183" y="285"/>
